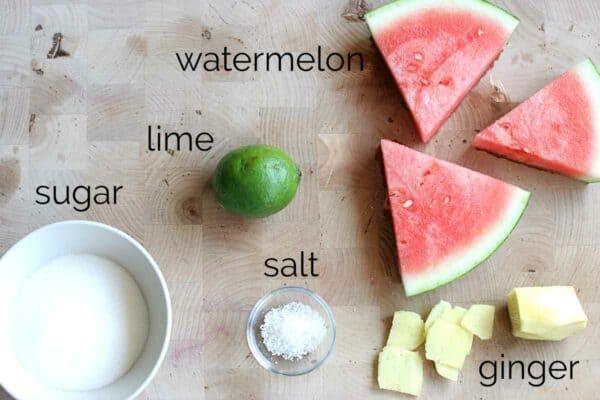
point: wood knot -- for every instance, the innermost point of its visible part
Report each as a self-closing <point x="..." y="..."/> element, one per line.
<point x="10" y="177"/>
<point x="191" y="210"/>
<point x="355" y="10"/>
<point x="56" y="50"/>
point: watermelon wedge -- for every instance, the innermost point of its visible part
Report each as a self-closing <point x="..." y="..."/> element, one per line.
<point x="447" y="219"/>
<point x="438" y="50"/>
<point x="557" y="129"/>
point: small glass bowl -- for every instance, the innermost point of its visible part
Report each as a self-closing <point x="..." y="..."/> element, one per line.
<point x="277" y="364"/>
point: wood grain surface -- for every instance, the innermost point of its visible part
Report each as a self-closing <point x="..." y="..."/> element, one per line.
<point x="81" y="118"/>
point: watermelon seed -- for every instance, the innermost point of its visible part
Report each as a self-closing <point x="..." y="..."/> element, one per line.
<point x="407" y="203"/>
<point x="446" y="81"/>
<point x="418" y="56"/>
<point x="446" y="200"/>
<point x="480" y="32"/>
<point x="526" y="150"/>
<point x="411" y="67"/>
<point x="505" y="125"/>
<point x="424" y="81"/>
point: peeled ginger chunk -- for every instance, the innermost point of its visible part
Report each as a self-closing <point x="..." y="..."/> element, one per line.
<point x="454" y="315"/>
<point x="400" y="370"/>
<point x="436" y="312"/>
<point x="407" y="330"/>
<point x="448" y="343"/>
<point x="446" y="371"/>
<point x="479" y="320"/>
<point x="545" y="313"/>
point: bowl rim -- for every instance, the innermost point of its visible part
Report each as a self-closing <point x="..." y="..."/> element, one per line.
<point x="155" y="269"/>
<point x="250" y="337"/>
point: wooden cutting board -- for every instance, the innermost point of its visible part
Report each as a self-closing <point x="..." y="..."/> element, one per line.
<point x="81" y="119"/>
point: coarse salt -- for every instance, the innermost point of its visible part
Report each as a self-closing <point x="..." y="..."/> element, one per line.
<point x="292" y="331"/>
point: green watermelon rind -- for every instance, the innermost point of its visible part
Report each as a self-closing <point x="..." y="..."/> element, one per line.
<point x="475" y="254"/>
<point x="590" y="74"/>
<point x="386" y="14"/>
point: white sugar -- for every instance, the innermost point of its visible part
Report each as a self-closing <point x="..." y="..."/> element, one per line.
<point x="292" y="331"/>
<point x="79" y="323"/>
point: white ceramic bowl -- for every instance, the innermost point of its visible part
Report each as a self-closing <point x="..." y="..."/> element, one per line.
<point x="73" y="237"/>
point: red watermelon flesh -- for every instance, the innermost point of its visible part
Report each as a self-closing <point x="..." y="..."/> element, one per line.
<point x="437" y="50"/>
<point x="557" y="129"/>
<point x="447" y="219"/>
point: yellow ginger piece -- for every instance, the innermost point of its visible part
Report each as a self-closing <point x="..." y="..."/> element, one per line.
<point x="436" y="312"/>
<point x="446" y="371"/>
<point x="400" y="370"/>
<point x="448" y="343"/>
<point x="545" y="313"/>
<point x="407" y="330"/>
<point x="479" y="320"/>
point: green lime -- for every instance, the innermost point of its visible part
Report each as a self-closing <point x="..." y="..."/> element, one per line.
<point x="256" y="181"/>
